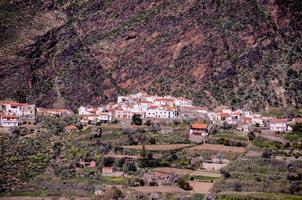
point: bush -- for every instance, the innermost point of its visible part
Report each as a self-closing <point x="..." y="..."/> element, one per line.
<point x="251" y="135"/>
<point x="137" y="120"/>
<point x="176" y="122"/>
<point x="152" y="140"/>
<point x="148" y="123"/>
<point x="182" y="183"/>
<point x="267" y="153"/>
<point x="108" y="161"/>
<point x="225" y="173"/>
<point x="237" y="186"/>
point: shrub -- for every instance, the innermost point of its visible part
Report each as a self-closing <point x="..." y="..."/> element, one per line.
<point x="267" y="153"/>
<point x="137" y="120"/>
<point x="237" y="186"/>
<point x="225" y="173"/>
<point x="182" y="183"/>
<point x="148" y="123"/>
<point x="152" y="140"/>
<point x="251" y="135"/>
<point x="108" y="161"/>
<point x="176" y="122"/>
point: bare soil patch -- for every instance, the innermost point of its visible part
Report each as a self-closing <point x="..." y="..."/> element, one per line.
<point x="201" y="187"/>
<point x="159" y="189"/>
<point x="169" y="170"/>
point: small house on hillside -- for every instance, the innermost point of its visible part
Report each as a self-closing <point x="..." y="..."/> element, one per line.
<point x="9" y="120"/>
<point x="279" y="125"/>
<point x="198" y="132"/>
<point x="110" y="171"/>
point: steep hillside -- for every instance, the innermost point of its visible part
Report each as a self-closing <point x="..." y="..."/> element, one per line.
<point x="68" y="52"/>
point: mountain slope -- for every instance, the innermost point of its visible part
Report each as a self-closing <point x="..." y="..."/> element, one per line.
<point x="67" y="53"/>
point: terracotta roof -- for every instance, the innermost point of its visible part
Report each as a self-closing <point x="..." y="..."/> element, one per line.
<point x="278" y="120"/>
<point x="247" y="119"/>
<point x="9" y="116"/>
<point x="224" y="114"/>
<point x="199" y="126"/>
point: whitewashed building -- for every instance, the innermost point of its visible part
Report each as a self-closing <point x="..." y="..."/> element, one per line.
<point x="9" y="120"/>
<point x="279" y="125"/>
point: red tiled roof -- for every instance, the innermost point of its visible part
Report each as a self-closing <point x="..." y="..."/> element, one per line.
<point x="224" y="114"/>
<point x="278" y="120"/>
<point x="9" y="116"/>
<point x="199" y="126"/>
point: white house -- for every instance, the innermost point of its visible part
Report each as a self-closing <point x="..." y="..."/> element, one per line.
<point x="9" y="120"/>
<point x="198" y="132"/>
<point x="24" y="111"/>
<point x="279" y="125"/>
<point x="120" y="113"/>
<point x="181" y="102"/>
<point x="161" y="112"/>
<point x="257" y="120"/>
<point x="162" y="101"/>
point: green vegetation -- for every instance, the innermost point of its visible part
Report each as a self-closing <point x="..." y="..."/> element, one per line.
<point x="265" y="143"/>
<point x="203" y="178"/>
<point x="257" y="196"/>
<point x="296" y="134"/>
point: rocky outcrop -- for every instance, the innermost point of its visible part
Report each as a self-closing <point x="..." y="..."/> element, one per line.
<point x="237" y="53"/>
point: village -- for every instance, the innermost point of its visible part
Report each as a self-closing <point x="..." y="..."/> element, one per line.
<point x="144" y="145"/>
<point x="148" y="107"/>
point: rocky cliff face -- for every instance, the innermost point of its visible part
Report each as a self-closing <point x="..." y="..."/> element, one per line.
<point x="67" y="52"/>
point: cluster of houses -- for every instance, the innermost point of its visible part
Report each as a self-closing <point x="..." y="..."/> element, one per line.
<point x="147" y="106"/>
<point x="242" y="120"/>
<point x="13" y="113"/>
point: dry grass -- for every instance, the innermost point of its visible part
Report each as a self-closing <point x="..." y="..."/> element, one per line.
<point x="201" y="187"/>
<point x="217" y="147"/>
<point x="168" y="170"/>
<point x="158" y="147"/>
<point x="205" y="173"/>
<point x="159" y="189"/>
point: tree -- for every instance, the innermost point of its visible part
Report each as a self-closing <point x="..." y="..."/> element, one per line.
<point x="131" y="166"/>
<point x="15" y="132"/>
<point x="148" y="122"/>
<point x="225" y="173"/>
<point x="182" y="183"/>
<point x="108" y="161"/>
<point x="267" y="153"/>
<point x="251" y="135"/>
<point x="97" y="133"/>
<point x="137" y="120"/>
<point x="152" y="140"/>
